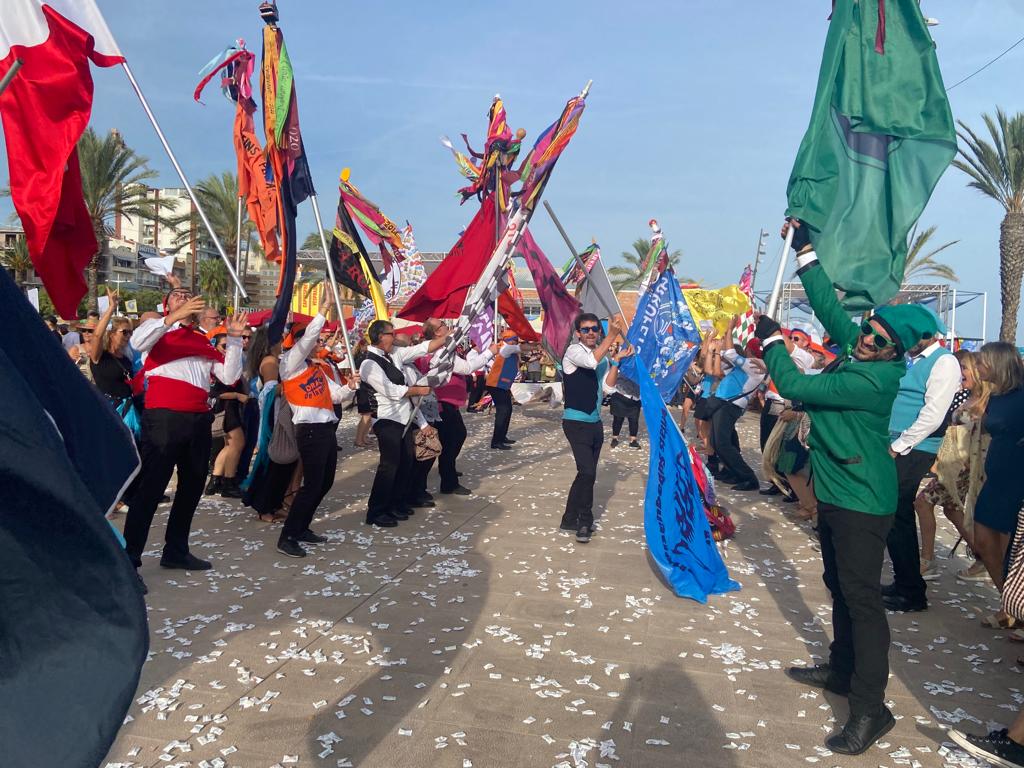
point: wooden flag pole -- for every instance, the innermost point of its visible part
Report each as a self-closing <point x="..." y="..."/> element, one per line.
<point x="334" y="282"/>
<point x="184" y="180"/>
<point x="773" y="301"/>
<point x="612" y="311"/>
<point x="9" y="75"/>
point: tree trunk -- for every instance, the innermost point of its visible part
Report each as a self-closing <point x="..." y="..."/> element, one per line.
<point x="92" y="280"/>
<point x="1011" y="270"/>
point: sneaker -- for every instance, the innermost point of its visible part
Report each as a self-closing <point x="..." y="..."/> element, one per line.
<point x="583" y="534"/>
<point x="190" y="563"/>
<point x="977" y="572"/>
<point x="290" y="547"/>
<point x="308" y="537"/>
<point x="634" y="444"/>
<point x="997" y="748"/>
<point x="614" y="442"/>
<point x="930" y="570"/>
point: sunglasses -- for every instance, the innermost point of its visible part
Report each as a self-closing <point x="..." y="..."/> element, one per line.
<point x="246" y="337"/>
<point x="125" y="331"/>
<point x="880" y="342"/>
<point x="590" y="329"/>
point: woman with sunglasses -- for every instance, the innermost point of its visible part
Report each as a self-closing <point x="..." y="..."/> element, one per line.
<point x="584" y="368"/>
<point x="110" y="363"/>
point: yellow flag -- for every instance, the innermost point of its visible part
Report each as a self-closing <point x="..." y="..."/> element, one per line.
<point x="715" y="308"/>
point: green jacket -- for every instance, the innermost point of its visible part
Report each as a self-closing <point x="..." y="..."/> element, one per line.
<point x="849" y="405"/>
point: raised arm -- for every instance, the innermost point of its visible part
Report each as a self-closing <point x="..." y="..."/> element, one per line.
<point x="100" y="334"/>
<point x="849" y="389"/>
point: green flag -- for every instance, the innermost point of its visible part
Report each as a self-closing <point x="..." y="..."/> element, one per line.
<point x="881" y="135"/>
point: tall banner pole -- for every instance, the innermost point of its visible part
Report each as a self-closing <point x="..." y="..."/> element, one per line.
<point x="334" y="282"/>
<point x="612" y="311"/>
<point x="773" y="301"/>
<point x="9" y="75"/>
<point x="184" y="180"/>
<point x="238" y="250"/>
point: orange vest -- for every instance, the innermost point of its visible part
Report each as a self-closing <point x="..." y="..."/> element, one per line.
<point x="309" y="389"/>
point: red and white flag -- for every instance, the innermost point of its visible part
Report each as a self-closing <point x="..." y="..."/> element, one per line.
<point x="45" y="111"/>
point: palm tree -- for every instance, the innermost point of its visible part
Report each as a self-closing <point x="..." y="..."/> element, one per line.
<point x="312" y="241"/>
<point x="629" y="275"/>
<point x="997" y="171"/>
<point x="921" y="264"/>
<point x="114" y="184"/>
<point x="18" y="261"/>
<point x="213" y="281"/>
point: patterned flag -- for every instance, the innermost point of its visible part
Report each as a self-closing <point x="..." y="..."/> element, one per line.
<point x="663" y="335"/>
<point x="656" y="261"/>
<point x="352" y="265"/>
<point x="675" y="524"/>
<point x="743" y="333"/>
<point x="715" y="308"/>
<point x="381" y="230"/>
<point x="545" y="153"/>
<point x="560" y="308"/>
<point x="573" y="273"/>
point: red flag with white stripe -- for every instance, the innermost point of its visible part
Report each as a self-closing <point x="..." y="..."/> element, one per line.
<point x="45" y="111"/>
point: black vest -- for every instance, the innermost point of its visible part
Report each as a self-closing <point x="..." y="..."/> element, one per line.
<point x="395" y="376"/>
<point x="581" y="390"/>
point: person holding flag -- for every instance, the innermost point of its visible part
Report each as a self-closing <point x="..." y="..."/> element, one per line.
<point x="584" y="367"/>
<point x="500" y="378"/>
<point x="855" y="482"/>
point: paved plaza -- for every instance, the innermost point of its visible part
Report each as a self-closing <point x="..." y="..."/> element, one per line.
<point x="477" y="634"/>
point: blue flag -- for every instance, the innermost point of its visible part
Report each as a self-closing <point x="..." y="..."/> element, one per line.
<point x="663" y="335"/>
<point x="677" y="530"/>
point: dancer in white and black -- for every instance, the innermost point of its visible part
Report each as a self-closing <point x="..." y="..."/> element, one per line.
<point x="383" y="370"/>
<point x="312" y="395"/>
<point x="176" y="422"/>
<point x="584" y="368"/>
<point x="624" y="405"/>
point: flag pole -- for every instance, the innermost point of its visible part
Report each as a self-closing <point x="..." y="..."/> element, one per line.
<point x="238" y="250"/>
<point x="773" y="300"/>
<point x="184" y="180"/>
<point x="9" y="75"/>
<point x="334" y="282"/>
<point x="612" y="312"/>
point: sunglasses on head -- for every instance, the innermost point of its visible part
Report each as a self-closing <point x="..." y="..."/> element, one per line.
<point x="880" y="342"/>
<point x="590" y="329"/>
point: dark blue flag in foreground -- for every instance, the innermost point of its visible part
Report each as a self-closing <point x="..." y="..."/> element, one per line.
<point x="676" y="528"/>
<point x="663" y="335"/>
<point x="73" y="633"/>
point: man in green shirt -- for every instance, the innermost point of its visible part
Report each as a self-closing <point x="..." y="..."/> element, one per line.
<point x="855" y="482"/>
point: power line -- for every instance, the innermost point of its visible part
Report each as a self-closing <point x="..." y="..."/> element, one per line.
<point x="997" y="58"/>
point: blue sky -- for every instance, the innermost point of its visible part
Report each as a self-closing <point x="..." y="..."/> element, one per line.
<point x="695" y="115"/>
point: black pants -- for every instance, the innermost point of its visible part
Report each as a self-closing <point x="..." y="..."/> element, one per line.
<point x="903" y="551"/>
<point x="726" y="441"/>
<point x="452" y="433"/>
<point x="852" y="549"/>
<point x="585" y="439"/>
<point x="502" y="399"/>
<point x="169" y="439"/>
<point x="393" y="481"/>
<point x="634" y="425"/>
<point x="318" y="451"/>
<point x="250" y="428"/>
<point x="476" y="391"/>
<point x="767" y="424"/>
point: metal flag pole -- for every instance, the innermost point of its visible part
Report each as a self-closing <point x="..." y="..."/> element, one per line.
<point x="773" y="300"/>
<point x="612" y="312"/>
<point x="238" y="250"/>
<point x="334" y="282"/>
<point x="184" y="180"/>
<point x="9" y="75"/>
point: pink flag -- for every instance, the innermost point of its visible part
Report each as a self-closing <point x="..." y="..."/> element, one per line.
<point x="560" y="308"/>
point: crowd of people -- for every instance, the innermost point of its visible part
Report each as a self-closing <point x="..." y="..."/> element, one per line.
<point x="867" y="430"/>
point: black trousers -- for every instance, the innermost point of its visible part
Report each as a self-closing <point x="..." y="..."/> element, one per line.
<point x="852" y="549"/>
<point x="726" y="441"/>
<point x="585" y="439"/>
<point x="476" y="390"/>
<point x="502" y="399"/>
<point x="634" y="425"/>
<point x="393" y="482"/>
<point x="903" y="547"/>
<point x="169" y="439"/>
<point x="318" y="452"/>
<point x="452" y="433"/>
<point x="250" y="428"/>
<point x="767" y="423"/>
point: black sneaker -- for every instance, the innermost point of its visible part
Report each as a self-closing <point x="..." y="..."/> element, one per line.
<point x="190" y="563"/>
<point x="290" y="547"/>
<point x="614" y="442"/>
<point x="308" y="537"/>
<point x="583" y="534"/>
<point x="996" y="748"/>
<point x="458" y="490"/>
<point x="634" y="444"/>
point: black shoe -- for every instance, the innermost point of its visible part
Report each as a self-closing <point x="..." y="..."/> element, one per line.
<point x="458" y="474"/>
<point x="747" y="485"/>
<point x="385" y="521"/>
<point x="889" y="590"/>
<point x="634" y="444"/>
<point x="583" y="534"/>
<point x="427" y="503"/>
<point x="190" y="563"/>
<point x="790" y="499"/>
<point x="427" y="496"/>
<point x="229" y="489"/>
<point x="614" y="442"/>
<point x="901" y="604"/>
<point x="996" y="748"/>
<point x="771" y="490"/>
<point x="308" y="537"/>
<point x="509" y="441"/>
<point x="165" y="499"/>
<point x="399" y="514"/>
<point x="727" y="477"/>
<point x="500" y="447"/>
<point x="290" y="547"/>
<point x="459" y="490"/>
<point x="819" y="676"/>
<point x="213" y="486"/>
<point x="142" y="584"/>
<point x="860" y="732"/>
<point x="567" y="527"/>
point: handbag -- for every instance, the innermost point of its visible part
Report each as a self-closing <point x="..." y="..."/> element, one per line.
<point x="283" y="448"/>
<point x="428" y="445"/>
<point x="1013" y="588"/>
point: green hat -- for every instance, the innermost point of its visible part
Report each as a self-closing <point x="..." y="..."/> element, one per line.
<point x="907" y="324"/>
